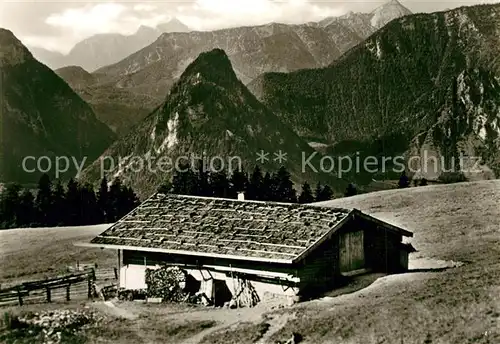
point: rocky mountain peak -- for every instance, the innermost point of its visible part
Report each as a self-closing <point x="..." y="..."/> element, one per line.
<point x="41" y="115"/>
<point x="12" y="51"/>
<point x="144" y="30"/>
<point x="348" y="14"/>
<point x="208" y="112"/>
<point x="74" y="69"/>
<point x="75" y="76"/>
<point x="174" y="25"/>
<point x="387" y="12"/>
<point x="211" y="66"/>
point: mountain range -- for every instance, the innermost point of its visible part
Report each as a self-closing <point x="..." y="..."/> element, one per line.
<point x="103" y="49"/>
<point x="423" y="84"/>
<point x="42" y="117"/>
<point x="252" y="50"/>
<point x="117" y="107"/>
<point x="427" y="83"/>
<point x="208" y="113"/>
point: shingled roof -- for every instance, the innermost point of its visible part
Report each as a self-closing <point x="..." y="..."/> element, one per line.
<point x="202" y="226"/>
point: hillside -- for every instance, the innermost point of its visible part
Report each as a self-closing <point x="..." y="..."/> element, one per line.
<point x="20" y="248"/>
<point x="426" y="82"/>
<point x="52" y="59"/>
<point x="452" y="223"/>
<point x="208" y="112"/>
<point x="76" y="76"/>
<point x="118" y="108"/>
<point x="41" y="115"/>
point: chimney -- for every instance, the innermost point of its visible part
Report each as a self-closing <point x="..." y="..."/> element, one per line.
<point x="241" y="196"/>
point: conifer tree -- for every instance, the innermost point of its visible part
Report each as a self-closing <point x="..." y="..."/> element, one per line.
<point x="323" y="193"/>
<point x="284" y="187"/>
<point x="255" y="185"/>
<point x="103" y="200"/>
<point x="404" y="181"/>
<point x="184" y="181"/>
<point x="318" y="192"/>
<point x="267" y="192"/>
<point x="115" y="200"/>
<point x="306" y="195"/>
<point x="326" y="193"/>
<point x="351" y="190"/>
<point x="89" y="212"/>
<point x="58" y="209"/>
<point x="122" y="200"/>
<point x="238" y="183"/>
<point x="130" y="202"/>
<point x="10" y="201"/>
<point x="72" y="199"/>
<point x="202" y="187"/>
<point x="27" y="213"/>
<point x="165" y="188"/>
<point x="220" y="184"/>
<point x="43" y="201"/>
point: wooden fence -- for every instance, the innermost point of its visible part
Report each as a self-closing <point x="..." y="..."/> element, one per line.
<point x="77" y="285"/>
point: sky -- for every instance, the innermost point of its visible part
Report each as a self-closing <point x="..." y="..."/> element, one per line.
<point x="58" y="25"/>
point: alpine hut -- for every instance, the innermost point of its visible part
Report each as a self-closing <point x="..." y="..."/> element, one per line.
<point x="285" y="251"/>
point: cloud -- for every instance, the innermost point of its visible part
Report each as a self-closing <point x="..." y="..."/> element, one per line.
<point x="144" y="7"/>
<point x="231" y="7"/>
<point x="79" y="21"/>
<point x="215" y="14"/>
<point x="89" y="19"/>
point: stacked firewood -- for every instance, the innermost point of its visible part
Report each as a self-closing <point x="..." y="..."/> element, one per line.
<point x="167" y="283"/>
<point x="246" y="295"/>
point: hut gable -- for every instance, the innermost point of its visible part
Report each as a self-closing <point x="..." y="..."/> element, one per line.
<point x="202" y="226"/>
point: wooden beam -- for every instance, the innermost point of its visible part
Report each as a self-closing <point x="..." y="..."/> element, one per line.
<point x="383" y="224"/>
<point x="262" y="273"/>
<point x="19" y="296"/>
<point x="187" y="253"/>
<point x="119" y="265"/>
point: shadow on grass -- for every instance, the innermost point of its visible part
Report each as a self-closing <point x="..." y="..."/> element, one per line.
<point x="425" y="270"/>
<point x="349" y="285"/>
<point x="352" y="284"/>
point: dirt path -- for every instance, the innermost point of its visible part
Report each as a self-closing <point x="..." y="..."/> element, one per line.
<point x="226" y="318"/>
<point x="110" y="308"/>
<point x="276" y="322"/>
<point x="199" y="336"/>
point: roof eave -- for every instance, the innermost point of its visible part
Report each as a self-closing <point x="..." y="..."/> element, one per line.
<point x="384" y="224"/>
<point x="187" y="253"/>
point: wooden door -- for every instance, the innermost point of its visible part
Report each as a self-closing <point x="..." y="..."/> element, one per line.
<point x="352" y="251"/>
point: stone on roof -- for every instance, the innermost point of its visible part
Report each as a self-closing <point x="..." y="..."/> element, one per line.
<point x="208" y="226"/>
